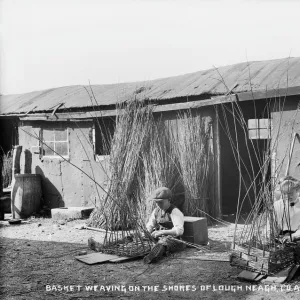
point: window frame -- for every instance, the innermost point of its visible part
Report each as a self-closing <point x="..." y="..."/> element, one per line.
<point x="257" y="125"/>
<point x="43" y="142"/>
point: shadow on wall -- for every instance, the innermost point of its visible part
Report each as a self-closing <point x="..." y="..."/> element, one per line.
<point x="52" y="198"/>
<point x="27" y="161"/>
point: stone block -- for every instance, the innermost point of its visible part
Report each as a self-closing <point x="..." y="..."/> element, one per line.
<point x="71" y="213"/>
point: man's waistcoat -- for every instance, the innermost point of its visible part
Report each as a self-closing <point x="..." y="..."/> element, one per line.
<point x="163" y="218"/>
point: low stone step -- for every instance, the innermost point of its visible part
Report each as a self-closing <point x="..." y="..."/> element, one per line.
<point x="71" y="213"/>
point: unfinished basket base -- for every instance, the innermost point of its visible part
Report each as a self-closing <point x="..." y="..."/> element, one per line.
<point x="131" y="249"/>
<point x="264" y="262"/>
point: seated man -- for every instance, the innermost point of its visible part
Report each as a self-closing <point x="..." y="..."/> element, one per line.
<point x="287" y="210"/>
<point x="166" y="221"/>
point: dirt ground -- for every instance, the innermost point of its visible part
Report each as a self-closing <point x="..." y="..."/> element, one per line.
<point x="38" y="262"/>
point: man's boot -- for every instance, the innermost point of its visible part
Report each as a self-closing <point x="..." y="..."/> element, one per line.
<point x="155" y="254"/>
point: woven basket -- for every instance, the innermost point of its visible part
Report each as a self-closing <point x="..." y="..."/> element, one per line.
<point x="131" y="249"/>
<point x="265" y="262"/>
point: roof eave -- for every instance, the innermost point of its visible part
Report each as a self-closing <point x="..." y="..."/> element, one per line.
<point x="216" y="100"/>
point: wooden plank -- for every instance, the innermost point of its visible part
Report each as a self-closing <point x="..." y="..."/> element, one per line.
<point x="274" y="93"/>
<point x="56" y="108"/>
<point x="207" y="258"/>
<point x="196" y="104"/>
<point x="123" y="259"/>
<point x="95" y="258"/>
<point x="248" y="275"/>
<point x="61" y="118"/>
<point x="112" y="112"/>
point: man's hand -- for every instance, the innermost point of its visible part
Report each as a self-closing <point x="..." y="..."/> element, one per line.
<point x="286" y="239"/>
<point x="296" y="236"/>
<point x="157" y="233"/>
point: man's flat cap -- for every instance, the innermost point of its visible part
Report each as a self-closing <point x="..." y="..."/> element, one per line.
<point x="161" y="194"/>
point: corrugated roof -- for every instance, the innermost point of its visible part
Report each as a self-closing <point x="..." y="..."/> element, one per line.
<point x="250" y="76"/>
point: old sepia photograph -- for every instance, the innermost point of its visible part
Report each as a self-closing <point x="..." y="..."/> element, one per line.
<point x="149" y="149"/>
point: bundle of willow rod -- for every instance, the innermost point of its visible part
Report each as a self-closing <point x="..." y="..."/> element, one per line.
<point x="118" y="210"/>
<point x="193" y="155"/>
<point x="6" y="173"/>
<point x="158" y="165"/>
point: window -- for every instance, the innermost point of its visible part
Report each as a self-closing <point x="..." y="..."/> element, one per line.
<point x="103" y="132"/>
<point x="259" y="128"/>
<point x="55" y="142"/>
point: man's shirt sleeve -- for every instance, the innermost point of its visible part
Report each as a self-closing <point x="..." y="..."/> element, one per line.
<point x="152" y="222"/>
<point x="178" y="221"/>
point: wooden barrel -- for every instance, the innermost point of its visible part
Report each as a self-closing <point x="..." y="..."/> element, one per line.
<point x="26" y="195"/>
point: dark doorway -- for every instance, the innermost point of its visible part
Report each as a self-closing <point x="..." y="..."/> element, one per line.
<point x="243" y="151"/>
<point x="8" y="134"/>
